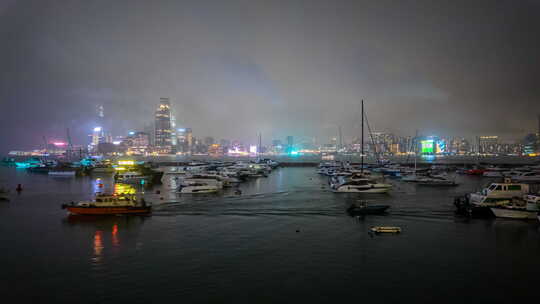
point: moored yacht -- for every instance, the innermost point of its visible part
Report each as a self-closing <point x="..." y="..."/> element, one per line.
<point x="131" y="177"/>
<point x="363" y="185"/>
<point x="436" y="181"/>
<point x="496" y="194"/>
<point x="527" y="208"/>
<point x="493" y="172"/>
<point x="197" y="187"/>
<point x="110" y="204"/>
<point x="530" y="177"/>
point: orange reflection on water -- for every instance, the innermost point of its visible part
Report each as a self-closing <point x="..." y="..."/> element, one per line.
<point x="115" y="240"/>
<point x="98" y="243"/>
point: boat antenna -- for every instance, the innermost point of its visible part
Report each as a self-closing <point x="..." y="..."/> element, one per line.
<point x="362" y="152"/>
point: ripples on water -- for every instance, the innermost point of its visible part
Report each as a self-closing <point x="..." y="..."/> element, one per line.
<point x="286" y="238"/>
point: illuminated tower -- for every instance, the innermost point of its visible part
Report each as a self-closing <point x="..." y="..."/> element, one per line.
<point x="96" y="136"/>
<point x="189" y="139"/>
<point x="174" y="140"/>
<point x="163" y="131"/>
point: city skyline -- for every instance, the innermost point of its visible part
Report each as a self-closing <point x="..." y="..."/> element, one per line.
<point x="446" y="76"/>
<point x="166" y="137"/>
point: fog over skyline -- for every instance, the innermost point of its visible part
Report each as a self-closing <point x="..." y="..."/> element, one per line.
<point x="233" y="69"/>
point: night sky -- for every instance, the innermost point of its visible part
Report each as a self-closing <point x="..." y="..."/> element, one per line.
<point x="236" y="68"/>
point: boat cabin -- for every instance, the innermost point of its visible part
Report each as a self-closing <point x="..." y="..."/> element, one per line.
<point x="506" y="190"/>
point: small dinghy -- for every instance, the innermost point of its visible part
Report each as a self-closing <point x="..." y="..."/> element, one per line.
<point x="364" y="208"/>
<point x="385" y="229"/>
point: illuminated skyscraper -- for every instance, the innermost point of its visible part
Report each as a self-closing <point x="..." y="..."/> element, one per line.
<point x="96" y="136"/>
<point x="189" y="139"/>
<point x="290" y="145"/>
<point x="163" y="131"/>
<point x="488" y="144"/>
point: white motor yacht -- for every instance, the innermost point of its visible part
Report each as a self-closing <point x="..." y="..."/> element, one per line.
<point x="499" y="192"/>
<point x="511" y="174"/>
<point x="412" y="178"/>
<point x="195" y="188"/>
<point x="527" y="208"/>
<point x="492" y="173"/>
<point x="361" y="186"/>
<point x="527" y="177"/>
<point x="436" y="180"/>
<point x="130" y="177"/>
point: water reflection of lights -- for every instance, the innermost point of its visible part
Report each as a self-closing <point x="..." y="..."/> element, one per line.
<point x="98" y="245"/>
<point x="114" y="233"/>
<point x="98" y="185"/>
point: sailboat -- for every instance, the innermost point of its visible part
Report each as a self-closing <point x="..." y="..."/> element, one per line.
<point x="361" y="185"/>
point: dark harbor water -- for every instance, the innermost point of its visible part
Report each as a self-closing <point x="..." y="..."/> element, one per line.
<point x="246" y="249"/>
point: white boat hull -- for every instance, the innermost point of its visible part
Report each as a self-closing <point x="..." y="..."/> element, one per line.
<point x="346" y="189"/>
<point x="62" y="173"/>
<point x="492" y="174"/>
<point x="514" y="213"/>
<point x="198" y="189"/>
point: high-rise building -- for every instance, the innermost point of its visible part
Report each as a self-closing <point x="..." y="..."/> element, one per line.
<point x="174" y="141"/>
<point x="276" y="142"/>
<point x="530" y="144"/>
<point x="208" y="140"/>
<point x="163" y="131"/>
<point x="138" y="142"/>
<point x="290" y="144"/>
<point x="379" y="142"/>
<point x="184" y="138"/>
<point x="488" y="144"/>
<point x="189" y="139"/>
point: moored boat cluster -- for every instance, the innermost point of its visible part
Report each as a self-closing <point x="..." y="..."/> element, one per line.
<point x="192" y="178"/>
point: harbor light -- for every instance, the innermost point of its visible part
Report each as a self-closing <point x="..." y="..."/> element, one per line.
<point x="97" y="129"/>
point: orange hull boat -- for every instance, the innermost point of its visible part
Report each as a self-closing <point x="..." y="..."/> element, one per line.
<point x="107" y="210"/>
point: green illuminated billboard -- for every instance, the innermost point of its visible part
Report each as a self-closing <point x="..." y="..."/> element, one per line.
<point x="427" y="146"/>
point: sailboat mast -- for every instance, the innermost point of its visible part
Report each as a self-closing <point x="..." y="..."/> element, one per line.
<point x="362" y="155"/>
<point x="415" y="150"/>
